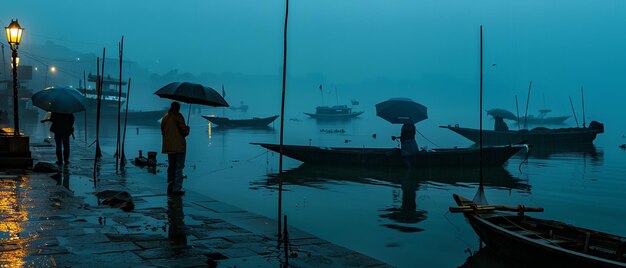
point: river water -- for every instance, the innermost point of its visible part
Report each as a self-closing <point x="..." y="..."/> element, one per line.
<point x="397" y="217"/>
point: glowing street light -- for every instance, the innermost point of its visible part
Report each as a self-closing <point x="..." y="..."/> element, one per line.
<point x="17" y="62"/>
<point x="53" y="69"/>
<point x="14" y="37"/>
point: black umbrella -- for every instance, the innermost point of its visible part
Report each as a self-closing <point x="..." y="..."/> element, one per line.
<point x="401" y="111"/>
<point x="192" y="94"/>
<point x="502" y="113"/>
<point x="59" y="100"/>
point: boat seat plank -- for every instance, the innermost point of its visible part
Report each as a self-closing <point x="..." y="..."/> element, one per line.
<point x="527" y="232"/>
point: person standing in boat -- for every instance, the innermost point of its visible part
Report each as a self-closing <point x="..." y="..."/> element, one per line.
<point x="500" y="125"/>
<point x="174" y="131"/>
<point x="62" y="127"/>
<point x="408" y="145"/>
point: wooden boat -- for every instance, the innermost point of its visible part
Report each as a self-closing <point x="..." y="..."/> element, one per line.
<point x="333" y="112"/>
<point x="543" y="119"/>
<point x="254" y="122"/>
<point x="544" y="243"/>
<point x="537" y="136"/>
<point x="390" y="157"/>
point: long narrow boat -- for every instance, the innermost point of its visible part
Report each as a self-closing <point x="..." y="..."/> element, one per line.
<point x="542" y="243"/>
<point x="537" y="136"/>
<point x="253" y="122"/>
<point x="390" y="157"/>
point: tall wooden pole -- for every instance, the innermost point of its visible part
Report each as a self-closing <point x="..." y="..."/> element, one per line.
<point x="282" y="125"/>
<point x="480" y="139"/>
<point x="530" y="86"/>
<point x="119" y="109"/>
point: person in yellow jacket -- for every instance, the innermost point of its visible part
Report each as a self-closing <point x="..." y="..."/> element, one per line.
<point x="174" y="131"/>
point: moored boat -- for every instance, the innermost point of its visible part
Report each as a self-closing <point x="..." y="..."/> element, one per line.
<point x="543" y="243"/>
<point x="253" y="122"/>
<point x="538" y="136"/>
<point x="390" y="157"/>
<point x="333" y="112"/>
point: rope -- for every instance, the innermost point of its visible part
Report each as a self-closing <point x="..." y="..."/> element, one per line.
<point x="525" y="159"/>
<point x="427" y="138"/>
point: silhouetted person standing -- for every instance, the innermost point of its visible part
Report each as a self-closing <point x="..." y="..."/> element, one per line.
<point x="174" y="131"/>
<point x="500" y="125"/>
<point x="408" y="145"/>
<point x="62" y="127"/>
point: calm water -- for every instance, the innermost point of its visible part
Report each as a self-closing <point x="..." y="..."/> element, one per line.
<point x="398" y="217"/>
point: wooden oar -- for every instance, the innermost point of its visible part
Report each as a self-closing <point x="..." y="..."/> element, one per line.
<point x="472" y="208"/>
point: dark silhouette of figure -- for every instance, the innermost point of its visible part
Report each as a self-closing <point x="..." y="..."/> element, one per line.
<point x="174" y="131"/>
<point x="176" y="233"/>
<point x="408" y="145"/>
<point x="500" y="125"/>
<point x="62" y="127"/>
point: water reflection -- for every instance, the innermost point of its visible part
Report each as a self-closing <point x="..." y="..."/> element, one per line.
<point x="317" y="176"/>
<point x="12" y="217"/>
<point x="175" y="218"/>
<point x="572" y="150"/>
<point x="408" y="212"/>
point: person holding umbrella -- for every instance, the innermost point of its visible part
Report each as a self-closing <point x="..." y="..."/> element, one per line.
<point x="62" y="127"/>
<point x="61" y="102"/>
<point x="174" y="131"/>
<point x="406" y="112"/>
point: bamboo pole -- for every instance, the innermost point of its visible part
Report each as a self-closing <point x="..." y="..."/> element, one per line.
<point x="527" y="101"/>
<point x="573" y="111"/>
<point x="123" y="162"/>
<point x="582" y="94"/>
<point x="119" y="108"/>
<point x="282" y="124"/>
<point x="481" y="109"/>
<point x="85" y="92"/>
<point x="517" y="109"/>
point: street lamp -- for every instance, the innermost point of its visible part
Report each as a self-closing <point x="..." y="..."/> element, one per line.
<point x="17" y="62"/>
<point x="14" y="36"/>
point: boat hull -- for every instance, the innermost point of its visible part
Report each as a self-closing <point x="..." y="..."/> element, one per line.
<point x="390" y="157"/>
<point x="254" y="122"/>
<point x="535" y="246"/>
<point x="543" y="137"/>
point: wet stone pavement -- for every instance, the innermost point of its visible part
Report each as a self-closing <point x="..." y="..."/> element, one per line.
<point x="56" y="220"/>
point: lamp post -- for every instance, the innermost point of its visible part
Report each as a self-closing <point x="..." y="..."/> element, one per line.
<point x="14" y="36"/>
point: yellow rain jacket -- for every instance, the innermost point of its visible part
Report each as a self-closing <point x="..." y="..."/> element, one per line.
<point x="174" y="131"/>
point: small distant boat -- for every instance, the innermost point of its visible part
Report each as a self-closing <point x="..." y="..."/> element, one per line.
<point x="537" y="136"/>
<point x="333" y="112"/>
<point x="543" y="119"/>
<point x="390" y="157"/>
<point x="542" y="243"/>
<point x="227" y="122"/>
<point x="242" y="107"/>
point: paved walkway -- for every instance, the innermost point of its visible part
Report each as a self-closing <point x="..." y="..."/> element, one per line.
<point x="49" y="220"/>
